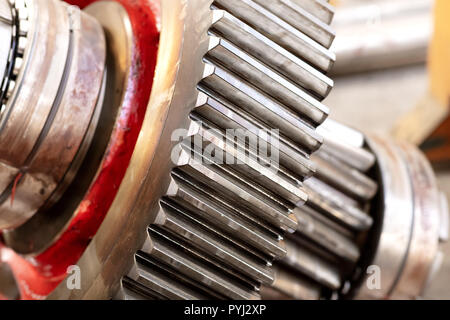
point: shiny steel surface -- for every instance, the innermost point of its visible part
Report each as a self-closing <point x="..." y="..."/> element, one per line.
<point x="229" y="239"/>
<point x="6" y="34"/>
<point x="51" y="108"/>
<point x="197" y="210"/>
<point x="382" y="34"/>
<point x="201" y="213"/>
<point x="404" y="221"/>
<point x="216" y="228"/>
<point x="411" y="197"/>
<point x="326" y="248"/>
<point x="40" y="232"/>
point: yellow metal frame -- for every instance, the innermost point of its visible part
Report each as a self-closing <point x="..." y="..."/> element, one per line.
<point x="432" y="111"/>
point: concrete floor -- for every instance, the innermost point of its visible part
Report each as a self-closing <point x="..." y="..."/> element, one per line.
<point x="374" y="102"/>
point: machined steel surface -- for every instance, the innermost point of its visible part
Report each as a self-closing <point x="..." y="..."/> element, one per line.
<point x="6" y="33"/>
<point x="330" y="258"/>
<point x="195" y="216"/>
<point x="223" y="223"/>
<point x="323" y="253"/>
<point x="380" y="34"/>
<point x="405" y="255"/>
<point x="238" y="186"/>
<point x="55" y="87"/>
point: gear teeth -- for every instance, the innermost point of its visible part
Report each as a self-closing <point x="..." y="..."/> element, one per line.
<point x="321" y="9"/>
<point x="270" y="26"/>
<point x="331" y="203"/>
<point x="131" y="290"/>
<point x="326" y="248"/>
<point x="178" y="221"/>
<point x="260" y="52"/>
<point x="315" y="267"/>
<point x="168" y="253"/>
<point x="22" y="45"/>
<point x="17" y="66"/>
<point x="24" y="27"/>
<point x="219" y="213"/>
<point x="302" y="20"/>
<point x="343" y="177"/>
<point x="331" y="240"/>
<point x="238" y="62"/>
<point x="223" y="218"/>
<point x="357" y="158"/>
<point x="11" y="88"/>
<point x="297" y="163"/>
<point x="250" y="167"/>
<point x="245" y="99"/>
<point x="245" y="51"/>
<point x="151" y="278"/>
<point x="256" y="204"/>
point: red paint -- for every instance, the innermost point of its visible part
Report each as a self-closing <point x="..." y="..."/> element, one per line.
<point x="13" y="191"/>
<point x="38" y="277"/>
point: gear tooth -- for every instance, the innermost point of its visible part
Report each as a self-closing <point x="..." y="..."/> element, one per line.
<point x="278" y="31"/>
<point x="321" y="9"/>
<point x="300" y="19"/>
<point x="11" y="87"/>
<point x="217" y="16"/>
<point x="202" y="98"/>
<point x="228" y="210"/>
<point x="24" y="27"/>
<point x="270" y="82"/>
<point x="247" y="100"/>
<point x="202" y="237"/>
<point x="167" y="251"/>
<point x="213" y="42"/>
<point x="209" y="70"/>
<point x="131" y="290"/>
<point x="251" y="45"/>
<point x="22" y="45"/>
<point x="312" y="265"/>
<point x="153" y="279"/>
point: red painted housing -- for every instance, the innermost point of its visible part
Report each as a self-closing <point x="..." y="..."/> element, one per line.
<point x="37" y="277"/>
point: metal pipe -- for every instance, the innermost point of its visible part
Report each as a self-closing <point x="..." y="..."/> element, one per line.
<point x="374" y="35"/>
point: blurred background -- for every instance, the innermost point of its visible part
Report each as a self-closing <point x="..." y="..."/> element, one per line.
<point x="392" y="78"/>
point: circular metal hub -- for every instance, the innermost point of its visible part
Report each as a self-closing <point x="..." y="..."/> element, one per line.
<point x="50" y="106"/>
